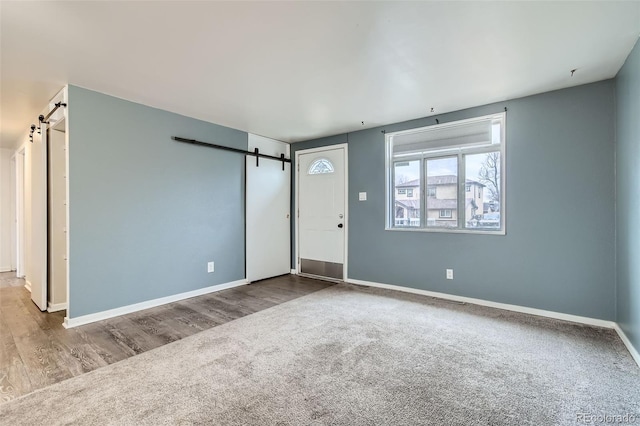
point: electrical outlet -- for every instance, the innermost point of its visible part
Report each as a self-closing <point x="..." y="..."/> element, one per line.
<point x="449" y="274"/>
<point x="210" y="267"/>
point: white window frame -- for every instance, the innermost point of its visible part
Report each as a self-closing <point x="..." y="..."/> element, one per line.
<point x="460" y="152"/>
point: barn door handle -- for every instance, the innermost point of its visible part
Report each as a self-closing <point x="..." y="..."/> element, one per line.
<point x="340" y="225"/>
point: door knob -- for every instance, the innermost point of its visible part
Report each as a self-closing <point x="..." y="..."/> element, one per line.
<point x="340" y="225"/>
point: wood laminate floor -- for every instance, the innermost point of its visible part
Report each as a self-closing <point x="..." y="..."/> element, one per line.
<point x="36" y="351"/>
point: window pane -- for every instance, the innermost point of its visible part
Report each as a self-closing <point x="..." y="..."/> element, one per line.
<point x="458" y="176"/>
<point x="406" y="195"/>
<point x="320" y="166"/>
<point x="442" y="190"/>
<point x="482" y="203"/>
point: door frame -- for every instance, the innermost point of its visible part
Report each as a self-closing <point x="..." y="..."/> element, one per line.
<point x="54" y="126"/>
<point x="18" y="158"/>
<point x="62" y="114"/>
<point x="345" y="147"/>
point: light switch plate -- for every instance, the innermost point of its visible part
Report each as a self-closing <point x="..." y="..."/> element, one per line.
<point x="362" y="196"/>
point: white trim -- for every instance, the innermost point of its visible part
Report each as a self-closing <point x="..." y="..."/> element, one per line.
<point x="345" y="271"/>
<point x="481" y="302"/>
<point x="65" y="98"/>
<point x="13" y="252"/>
<point x="99" y="316"/>
<point x="55" y="307"/>
<point x="27" y="285"/>
<point x="294" y="272"/>
<point x="633" y="351"/>
<point x="345" y="147"/>
<point x="20" y="222"/>
<point x="6" y="269"/>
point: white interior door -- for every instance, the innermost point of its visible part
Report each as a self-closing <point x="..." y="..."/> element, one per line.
<point x="37" y="245"/>
<point x="322" y="215"/>
<point x="268" y="226"/>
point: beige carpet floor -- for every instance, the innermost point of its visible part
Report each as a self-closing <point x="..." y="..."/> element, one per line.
<point x="350" y="355"/>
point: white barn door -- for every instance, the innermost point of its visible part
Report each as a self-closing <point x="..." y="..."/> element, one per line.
<point x="268" y="231"/>
<point x="37" y="237"/>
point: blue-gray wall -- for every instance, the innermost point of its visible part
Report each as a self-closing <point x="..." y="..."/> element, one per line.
<point x="628" y="196"/>
<point x="147" y="213"/>
<point x="558" y="253"/>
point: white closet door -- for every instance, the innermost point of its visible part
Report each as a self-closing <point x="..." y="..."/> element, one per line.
<point x="57" y="218"/>
<point x="268" y="231"/>
<point x="37" y="245"/>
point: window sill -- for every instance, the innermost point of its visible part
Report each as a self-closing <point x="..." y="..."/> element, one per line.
<point x="447" y="231"/>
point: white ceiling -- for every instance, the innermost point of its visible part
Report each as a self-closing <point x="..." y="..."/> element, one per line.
<point x="295" y="71"/>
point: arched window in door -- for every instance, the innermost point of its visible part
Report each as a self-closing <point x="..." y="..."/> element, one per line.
<point x="320" y="166"/>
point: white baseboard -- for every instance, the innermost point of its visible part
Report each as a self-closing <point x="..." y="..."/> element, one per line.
<point x="634" y="353"/>
<point x="56" y="307"/>
<point x="505" y="306"/>
<point x="27" y="285"/>
<point x="5" y="269"/>
<point x="294" y="272"/>
<point x="99" y="316"/>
